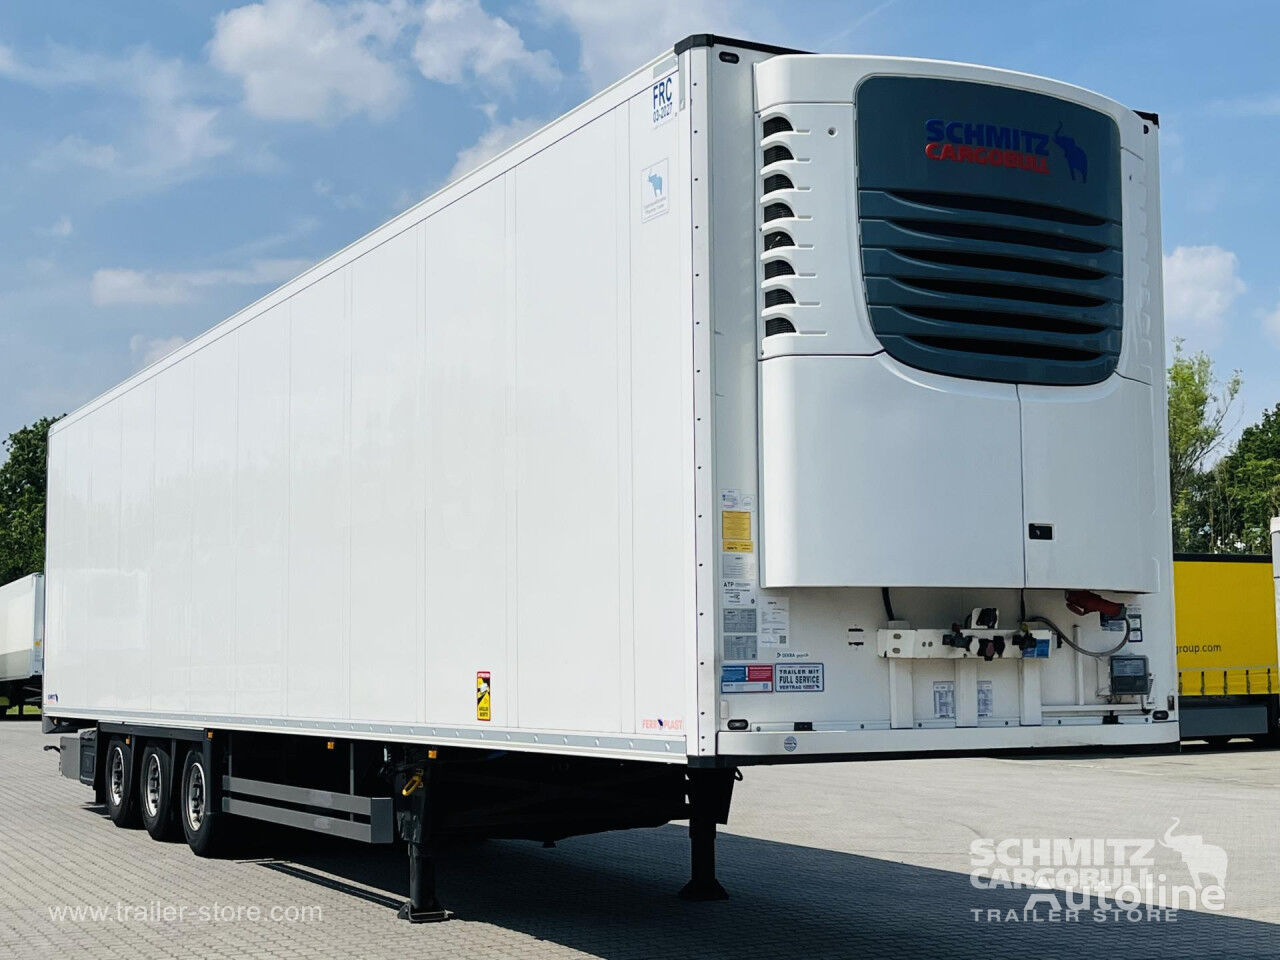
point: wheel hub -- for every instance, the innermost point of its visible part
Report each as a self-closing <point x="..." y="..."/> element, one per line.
<point x="195" y="798"/>
<point x="151" y="796"/>
<point x="116" y="777"/>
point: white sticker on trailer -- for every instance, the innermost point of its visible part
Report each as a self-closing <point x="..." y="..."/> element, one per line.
<point x="739" y="620"/>
<point x="986" y="699"/>
<point x="944" y="699"/>
<point x="798" y="678"/>
<point x="775" y="621"/>
<point x="738" y="566"/>
<point x="655" y="186"/>
<point x="738" y="593"/>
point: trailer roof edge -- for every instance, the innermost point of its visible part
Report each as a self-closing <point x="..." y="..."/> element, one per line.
<point x="712" y="40"/>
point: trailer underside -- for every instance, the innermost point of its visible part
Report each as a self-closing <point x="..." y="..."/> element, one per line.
<point x="200" y="782"/>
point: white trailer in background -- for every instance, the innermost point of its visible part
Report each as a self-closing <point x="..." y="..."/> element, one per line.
<point x="22" y="641"/>
<point x="766" y="407"/>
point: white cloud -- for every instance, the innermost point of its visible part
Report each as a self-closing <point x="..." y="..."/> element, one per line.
<point x="1259" y="105"/>
<point x="168" y="134"/>
<point x="115" y="286"/>
<point x="76" y="151"/>
<point x="306" y="60"/>
<point x="60" y="228"/>
<point x="1200" y="285"/>
<point x="460" y="42"/>
<point x="147" y="350"/>
<point x="491" y="143"/>
<point x="617" y="38"/>
<point x="1271" y="325"/>
<point x="341" y="201"/>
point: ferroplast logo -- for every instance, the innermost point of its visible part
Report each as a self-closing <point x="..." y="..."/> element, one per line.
<point x="998" y="145"/>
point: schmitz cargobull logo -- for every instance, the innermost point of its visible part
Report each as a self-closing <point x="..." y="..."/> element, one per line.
<point x="996" y="145"/>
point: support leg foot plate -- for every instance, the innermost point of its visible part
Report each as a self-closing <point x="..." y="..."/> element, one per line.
<point x="703" y="891"/>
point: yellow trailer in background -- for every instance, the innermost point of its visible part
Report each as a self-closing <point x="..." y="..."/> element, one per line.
<point x="1228" y="655"/>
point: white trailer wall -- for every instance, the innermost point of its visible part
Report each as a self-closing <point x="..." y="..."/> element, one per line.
<point x="463" y="444"/>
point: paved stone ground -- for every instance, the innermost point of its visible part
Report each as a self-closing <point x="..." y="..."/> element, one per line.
<point x="867" y="860"/>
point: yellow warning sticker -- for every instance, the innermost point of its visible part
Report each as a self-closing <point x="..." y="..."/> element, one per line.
<point x="483" y="694"/>
<point x="735" y="524"/>
<point x="735" y="531"/>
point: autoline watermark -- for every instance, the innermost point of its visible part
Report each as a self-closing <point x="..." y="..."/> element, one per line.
<point x="159" y="911"/>
<point x="1082" y="879"/>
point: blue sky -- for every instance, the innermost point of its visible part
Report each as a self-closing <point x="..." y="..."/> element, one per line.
<point x="169" y="161"/>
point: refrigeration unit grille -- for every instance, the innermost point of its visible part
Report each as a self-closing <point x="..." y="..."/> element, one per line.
<point x="777" y="218"/>
<point x="992" y="288"/>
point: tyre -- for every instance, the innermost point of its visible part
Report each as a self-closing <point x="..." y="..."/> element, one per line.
<point x="201" y="824"/>
<point x="155" y="793"/>
<point x="118" y="774"/>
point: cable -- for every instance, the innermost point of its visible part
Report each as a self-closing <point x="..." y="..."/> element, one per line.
<point x="1099" y="654"/>
<point x="888" y="604"/>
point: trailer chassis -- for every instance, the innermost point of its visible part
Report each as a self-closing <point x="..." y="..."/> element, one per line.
<point x="383" y="792"/>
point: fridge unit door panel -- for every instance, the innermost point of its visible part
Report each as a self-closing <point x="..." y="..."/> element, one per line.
<point x="1089" y="471"/>
<point x="874" y="475"/>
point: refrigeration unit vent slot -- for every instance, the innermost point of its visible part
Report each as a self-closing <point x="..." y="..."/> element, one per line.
<point x="992" y="288"/>
<point x="777" y="181"/>
<point x="777" y="154"/>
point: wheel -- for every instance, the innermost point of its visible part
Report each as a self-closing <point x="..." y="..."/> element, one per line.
<point x="122" y="798"/>
<point x="201" y="825"/>
<point x="155" y="792"/>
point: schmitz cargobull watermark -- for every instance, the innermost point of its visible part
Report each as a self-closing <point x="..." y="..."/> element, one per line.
<point x="1098" y="880"/>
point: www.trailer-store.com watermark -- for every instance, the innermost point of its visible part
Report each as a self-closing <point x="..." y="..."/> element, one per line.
<point x="1099" y="880"/>
<point x="158" y="911"/>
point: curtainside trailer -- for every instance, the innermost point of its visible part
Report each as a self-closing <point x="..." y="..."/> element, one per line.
<point x="767" y="407"/>
<point x="22" y="643"/>
<point x="1228" y="657"/>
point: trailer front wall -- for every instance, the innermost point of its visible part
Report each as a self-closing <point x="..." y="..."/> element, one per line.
<point x="21" y="628"/>
<point x="460" y="451"/>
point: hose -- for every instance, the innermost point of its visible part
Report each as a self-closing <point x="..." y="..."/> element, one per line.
<point x="888" y="604"/>
<point x="1099" y="654"/>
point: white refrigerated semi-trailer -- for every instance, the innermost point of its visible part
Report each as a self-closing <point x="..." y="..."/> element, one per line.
<point x="766" y="407"/>
<point x="22" y="641"/>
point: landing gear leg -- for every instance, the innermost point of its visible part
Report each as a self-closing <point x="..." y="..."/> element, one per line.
<point x="709" y="795"/>
<point x="415" y="828"/>
<point x="422" y="905"/>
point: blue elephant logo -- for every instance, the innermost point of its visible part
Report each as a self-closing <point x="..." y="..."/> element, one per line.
<point x="1077" y="159"/>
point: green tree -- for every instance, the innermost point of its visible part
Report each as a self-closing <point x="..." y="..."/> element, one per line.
<point x="22" y="501"/>
<point x="1245" y="488"/>
<point x="1199" y="405"/>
